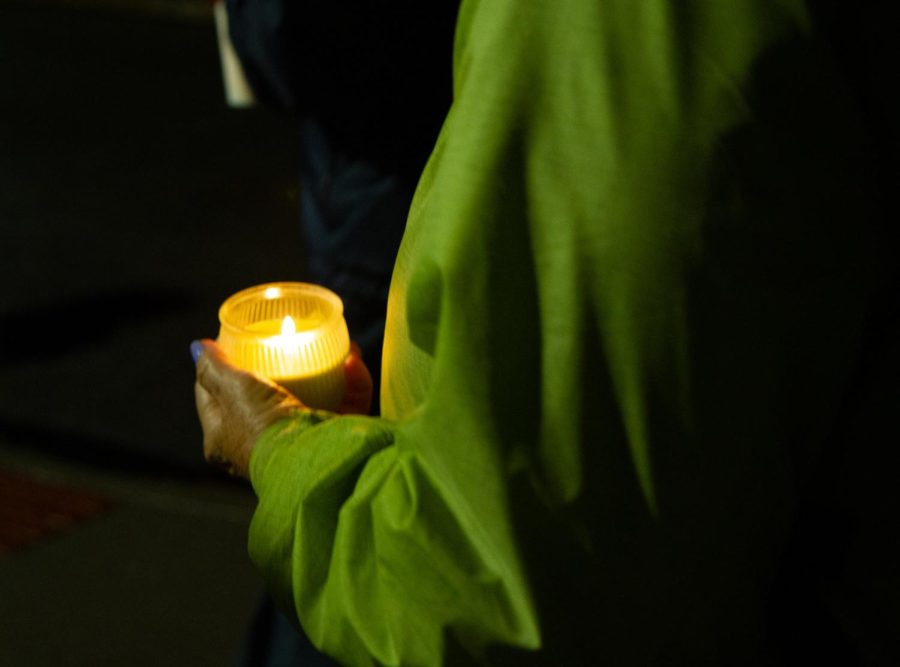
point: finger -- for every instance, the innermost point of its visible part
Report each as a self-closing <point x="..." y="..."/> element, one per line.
<point x="212" y="349"/>
<point x="208" y="410"/>
<point x="203" y="399"/>
<point x="359" y="404"/>
<point x="210" y="420"/>
<point x="207" y="377"/>
<point x="214" y="370"/>
<point x="358" y="391"/>
<point x="215" y="458"/>
<point x="207" y="347"/>
<point x="357" y="376"/>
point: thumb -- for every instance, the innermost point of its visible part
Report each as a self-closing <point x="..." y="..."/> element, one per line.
<point x="213" y="366"/>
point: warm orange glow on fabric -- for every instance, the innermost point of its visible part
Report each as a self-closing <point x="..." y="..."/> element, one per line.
<point x="292" y="333"/>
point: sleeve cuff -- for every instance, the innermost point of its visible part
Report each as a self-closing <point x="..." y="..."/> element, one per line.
<point x="270" y="440"/>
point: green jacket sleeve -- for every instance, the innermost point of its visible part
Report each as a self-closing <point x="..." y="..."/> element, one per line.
<point x="373" y="548"/>
<point x="611" y="358"/>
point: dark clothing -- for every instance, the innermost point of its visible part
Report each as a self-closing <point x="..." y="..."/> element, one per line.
<point x="377" y="76"/>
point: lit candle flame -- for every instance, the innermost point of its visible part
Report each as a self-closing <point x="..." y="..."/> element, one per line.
<point x="289" y="336"/>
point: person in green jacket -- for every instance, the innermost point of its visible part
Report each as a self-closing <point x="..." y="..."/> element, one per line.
<point x="636" y="283"/>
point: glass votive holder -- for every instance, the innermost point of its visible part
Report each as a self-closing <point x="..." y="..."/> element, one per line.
<point x="291" y="333"/>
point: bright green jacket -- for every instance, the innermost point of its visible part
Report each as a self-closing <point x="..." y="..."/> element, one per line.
<point x="622" y="320"/>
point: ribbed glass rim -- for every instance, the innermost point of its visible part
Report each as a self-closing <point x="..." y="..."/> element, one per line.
<point x="276" y="290"/>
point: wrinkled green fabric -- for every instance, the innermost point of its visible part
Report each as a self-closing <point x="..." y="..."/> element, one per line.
<point x="620" y="322"/>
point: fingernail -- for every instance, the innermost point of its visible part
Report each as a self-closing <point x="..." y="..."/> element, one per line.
<point x="196" y="350"/>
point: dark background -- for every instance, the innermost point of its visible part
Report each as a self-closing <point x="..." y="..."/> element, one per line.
<point x="133" y="201"/>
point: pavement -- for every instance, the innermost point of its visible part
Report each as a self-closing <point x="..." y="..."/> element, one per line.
<point x="132" y="202"/>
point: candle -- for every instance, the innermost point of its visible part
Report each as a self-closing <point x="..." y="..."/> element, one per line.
<point x="292" y="333"/>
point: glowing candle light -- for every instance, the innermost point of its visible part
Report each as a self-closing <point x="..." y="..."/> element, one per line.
<point x="292" y="333"/>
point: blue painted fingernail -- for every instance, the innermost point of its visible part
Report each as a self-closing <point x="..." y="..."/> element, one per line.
<point x="196" y="350"/>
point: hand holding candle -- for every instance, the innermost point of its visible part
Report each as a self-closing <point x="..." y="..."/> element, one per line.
<point x="236" y="404"/>
<point x="235" y="407"/>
